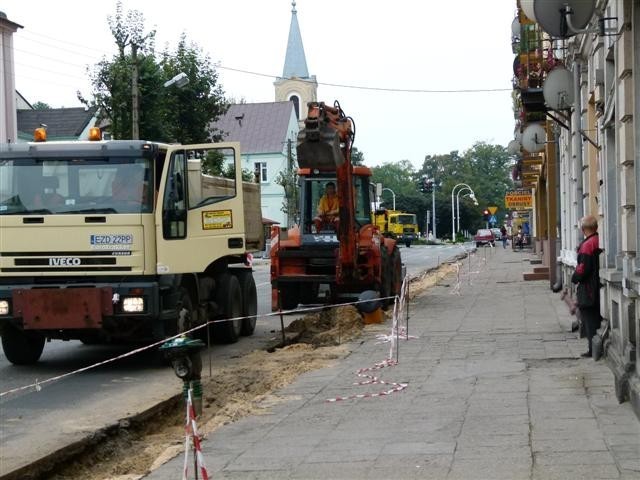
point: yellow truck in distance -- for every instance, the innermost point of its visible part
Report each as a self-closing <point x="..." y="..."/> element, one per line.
<point x="396" y="224"/>
<point x="122" y="241"/>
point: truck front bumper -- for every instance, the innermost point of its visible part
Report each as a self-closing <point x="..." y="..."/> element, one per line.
<point x="77" y="308"/>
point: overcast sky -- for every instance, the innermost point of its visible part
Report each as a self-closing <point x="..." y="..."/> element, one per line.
<point x="401" y="44"/>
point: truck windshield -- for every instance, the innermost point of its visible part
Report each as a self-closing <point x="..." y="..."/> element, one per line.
<point x="76" y="186"/>
<point x="407" y="219"/>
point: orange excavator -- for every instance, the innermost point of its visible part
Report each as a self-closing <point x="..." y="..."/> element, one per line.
<point x="316" y="260"/>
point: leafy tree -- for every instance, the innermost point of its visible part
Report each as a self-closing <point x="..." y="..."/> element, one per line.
<point x="484" y="167"/>
<point x="165" y="114"/>
<point x="357" y="157"/>
<point x="213" y="163"/>
<point x="41" y="106"/>
<point x="190" y="110"/>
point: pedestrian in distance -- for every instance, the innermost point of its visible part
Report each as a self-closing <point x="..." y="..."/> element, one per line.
<point x="519" y="238"/>
<point x="586" y="276"/>
<point x="503" y="236"/>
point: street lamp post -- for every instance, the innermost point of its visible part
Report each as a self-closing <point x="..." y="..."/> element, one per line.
<point x="394" y="196"/>
<point x="453" y="212"/>
<point x="471" y="195"/>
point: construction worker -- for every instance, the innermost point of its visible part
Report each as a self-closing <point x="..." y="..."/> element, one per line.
<point x="328" y="208"/>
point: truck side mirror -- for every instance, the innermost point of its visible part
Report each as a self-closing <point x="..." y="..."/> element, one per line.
<point x="378" y="190"/>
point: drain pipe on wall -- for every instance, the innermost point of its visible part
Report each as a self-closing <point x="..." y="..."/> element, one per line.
<point x="576" y="126"/>
<point x="556" y="287"/>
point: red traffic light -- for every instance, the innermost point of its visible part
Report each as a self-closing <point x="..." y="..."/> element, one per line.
<point x="486" y="212"/>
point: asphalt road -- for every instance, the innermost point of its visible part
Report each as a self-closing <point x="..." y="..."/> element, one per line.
<point x="36" y="423"/>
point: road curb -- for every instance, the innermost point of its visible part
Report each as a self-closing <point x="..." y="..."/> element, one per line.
<point x="49" y="463"/>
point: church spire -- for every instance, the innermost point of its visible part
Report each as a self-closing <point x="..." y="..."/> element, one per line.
<point x="295" y="62"/>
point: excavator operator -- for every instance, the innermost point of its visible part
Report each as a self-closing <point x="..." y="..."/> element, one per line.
<point x="328" y="209"/>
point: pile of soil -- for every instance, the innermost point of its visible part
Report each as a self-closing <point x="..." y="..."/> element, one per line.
<point x="331" y="326"/>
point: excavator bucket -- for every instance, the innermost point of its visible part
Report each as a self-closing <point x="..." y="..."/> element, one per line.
<point x="319" y="148"/>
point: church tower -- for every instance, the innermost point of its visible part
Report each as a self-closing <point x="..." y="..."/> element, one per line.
<point x="296" y="85"/>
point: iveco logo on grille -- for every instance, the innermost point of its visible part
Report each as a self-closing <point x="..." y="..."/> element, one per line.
<point x="64" y="261"/>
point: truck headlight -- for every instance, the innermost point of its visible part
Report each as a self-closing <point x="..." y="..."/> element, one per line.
<point x="4" y="307"/>
<point x="133" y="304"/>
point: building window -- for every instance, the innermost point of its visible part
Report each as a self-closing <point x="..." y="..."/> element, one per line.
<point x="261" y="171"/>
<point x="296" y="104"/>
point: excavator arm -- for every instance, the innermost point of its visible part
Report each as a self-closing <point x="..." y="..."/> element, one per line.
<point x="325" y="144"/>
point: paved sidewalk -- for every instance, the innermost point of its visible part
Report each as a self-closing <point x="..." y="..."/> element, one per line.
<point x="496" y="391"/>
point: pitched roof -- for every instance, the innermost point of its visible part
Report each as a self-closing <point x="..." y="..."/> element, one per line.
<point x="259" y="127"/>
<point x="295" y="62"/>
<point x="61" y="122"/>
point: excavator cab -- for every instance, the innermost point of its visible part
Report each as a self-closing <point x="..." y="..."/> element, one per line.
<point x="313" y="187"/>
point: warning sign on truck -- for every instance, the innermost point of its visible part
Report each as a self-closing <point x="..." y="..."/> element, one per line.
<point x="518" y="199"/>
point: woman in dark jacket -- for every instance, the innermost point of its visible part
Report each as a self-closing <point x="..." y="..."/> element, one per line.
<point x="587" y="277"/>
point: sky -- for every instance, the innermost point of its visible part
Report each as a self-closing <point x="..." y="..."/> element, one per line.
<point x="401" y="44"/>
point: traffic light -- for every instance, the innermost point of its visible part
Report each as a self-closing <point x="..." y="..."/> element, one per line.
<point x="485" y="215"/>
<point x="425" y="185"/>
<point x="429" y="186"/>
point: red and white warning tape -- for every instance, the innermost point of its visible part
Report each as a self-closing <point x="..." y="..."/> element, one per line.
<point x="192" y="439"/>
<point x="37" y="385"/>
<point x="389" y="362"/>
<point x="373" y="380"/>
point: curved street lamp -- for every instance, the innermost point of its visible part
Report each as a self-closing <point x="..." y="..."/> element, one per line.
<point x="394" y="196"/>
<point x="471" y="195"/>
<point x="453" y="212"/>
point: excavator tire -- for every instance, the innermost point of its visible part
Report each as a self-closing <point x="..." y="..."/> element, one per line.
<point x="249" y="301"/>
<point x="229" y="300"/>
<point x="289" y="296"/>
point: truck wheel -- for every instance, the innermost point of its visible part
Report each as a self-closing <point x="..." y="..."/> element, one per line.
<point x="289" y="297"/>
<point x="229" y="300"/>
<point x="20" y="347"/>
<point x="249" y="301"/>
<point x="396" y="272"/>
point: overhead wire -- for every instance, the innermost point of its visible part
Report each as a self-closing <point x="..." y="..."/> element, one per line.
<point x="271" y="76"/>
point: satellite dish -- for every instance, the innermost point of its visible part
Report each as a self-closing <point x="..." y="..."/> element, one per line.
<point x="552" y="16"/>
<point x="534" y="138"/>
<point x="515" y="29"/>
<point x="514" y="147"/>
<point x="527" y="8"/>
<point x="518" y="135"/>
<point x="558" y="89"/>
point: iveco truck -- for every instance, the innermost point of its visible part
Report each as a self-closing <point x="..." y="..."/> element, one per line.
<point x="123" y="241"/>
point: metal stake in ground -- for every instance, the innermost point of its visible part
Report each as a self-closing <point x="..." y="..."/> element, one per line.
<point x="397" y="336"/>
<point x="284" y="341"/>
<point x="406" y="299"/>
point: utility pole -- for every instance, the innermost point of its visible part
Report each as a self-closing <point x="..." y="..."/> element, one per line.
<point x="290" y="199"/>
<point x="135" y="97"/>
<point x="433" y="208"/>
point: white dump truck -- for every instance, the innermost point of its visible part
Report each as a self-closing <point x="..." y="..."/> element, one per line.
<point x="123" y="241"/>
